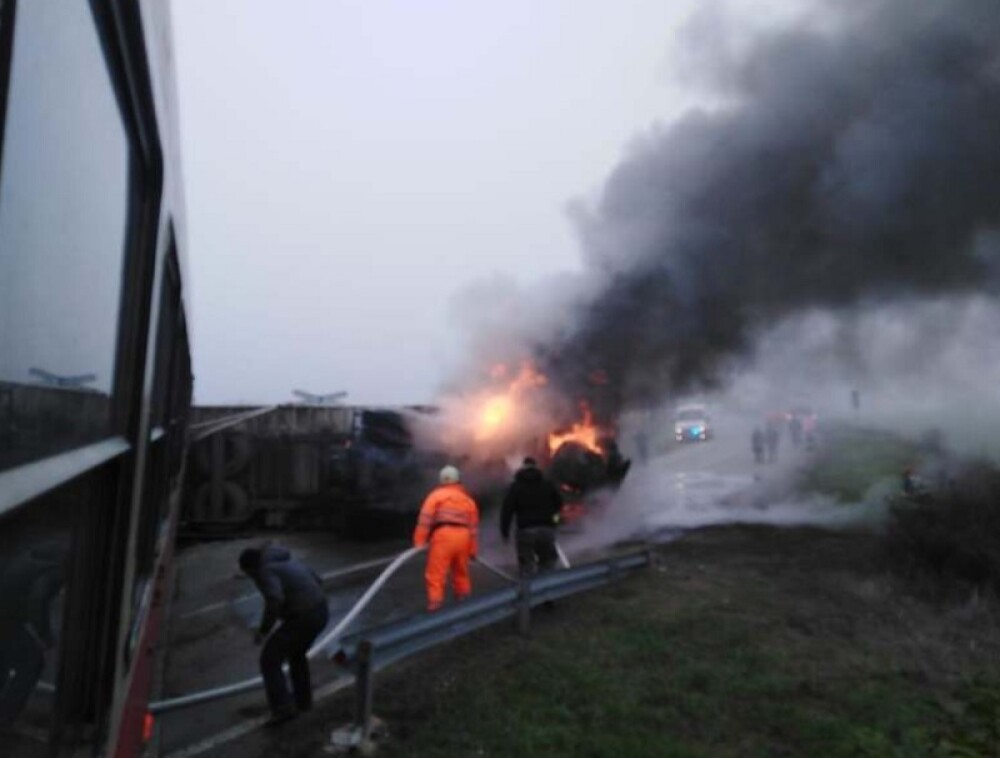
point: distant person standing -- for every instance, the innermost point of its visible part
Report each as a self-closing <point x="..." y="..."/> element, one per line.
<point x="293" y="595"/>
<point x="449" y="523"/>
<point x="533" y="503"/>
<point x="772" y="437"/>
<point x="795" y="430"/>
<point x="642" y="445"/>
<point x="911" y="484"/>
<point x="757" y="445"/>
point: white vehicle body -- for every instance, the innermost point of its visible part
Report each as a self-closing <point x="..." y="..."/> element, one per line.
<point x="692" y="423"/>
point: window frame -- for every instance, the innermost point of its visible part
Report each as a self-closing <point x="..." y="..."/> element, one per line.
<point x="8" y="13"/>
<point x="115" y="466"/>
<point x="119" y="31"/>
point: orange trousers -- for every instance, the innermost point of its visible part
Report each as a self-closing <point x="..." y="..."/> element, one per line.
<point x="449" y="551"/>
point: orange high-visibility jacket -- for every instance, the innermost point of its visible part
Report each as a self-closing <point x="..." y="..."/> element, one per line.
<point x="451" y="505"/>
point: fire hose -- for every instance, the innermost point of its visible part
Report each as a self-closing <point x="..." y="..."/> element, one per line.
<point x="238" y="688"/>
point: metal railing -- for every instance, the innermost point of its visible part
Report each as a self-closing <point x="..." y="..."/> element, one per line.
<point x="370" y="650"/>
<point x="396" y="640"/>
<point x="400" y="639"/>
<point x="238" y="688"/>
<point x="328" y="639"/>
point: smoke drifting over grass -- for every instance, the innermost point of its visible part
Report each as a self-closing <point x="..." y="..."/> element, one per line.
<point x="658" y="505"/>
<point x="853" y="163"/>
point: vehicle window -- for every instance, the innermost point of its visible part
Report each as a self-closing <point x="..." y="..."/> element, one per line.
<point x="690" y="415"/>
<point x="63" y="207"/>
<point x="38" y="571"/>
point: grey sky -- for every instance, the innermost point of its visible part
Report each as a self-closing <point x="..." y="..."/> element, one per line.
<point x="64" y="234"/>
<point x="350" y="166"/>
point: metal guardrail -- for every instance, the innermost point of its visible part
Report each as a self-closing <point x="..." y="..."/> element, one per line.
<point x="394" y="641"/>
<point x="238" y="688"/>
<point x="400" y="639"/>
<point x="371" y="650"/>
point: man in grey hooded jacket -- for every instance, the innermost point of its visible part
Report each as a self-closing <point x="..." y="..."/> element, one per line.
<point x="293" y="595"/>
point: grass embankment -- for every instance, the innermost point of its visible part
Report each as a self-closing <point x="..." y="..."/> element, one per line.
<point x="853" y="459"/>
<point x="742" y="642"/>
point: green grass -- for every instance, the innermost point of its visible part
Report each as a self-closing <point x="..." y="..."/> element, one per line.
<point x="852" y="460"/>
<point x="723" y="658"/>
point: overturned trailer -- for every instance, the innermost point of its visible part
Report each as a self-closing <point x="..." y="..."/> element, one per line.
<point x="294" y="466"/>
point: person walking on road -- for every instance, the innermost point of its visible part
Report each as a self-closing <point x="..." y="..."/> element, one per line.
<point x="534" y="503"/>
<point x="795" y="429"/>
<point x="757" y="444"/>
<point x="449" y="523"/>
<point x="293" y="595"/>
<point x="773" y="436"/>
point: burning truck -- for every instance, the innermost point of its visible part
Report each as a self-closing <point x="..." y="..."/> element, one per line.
<point x="519" y="413"/>
<point x="580" y="467"/>
<point x="364" y="471"/>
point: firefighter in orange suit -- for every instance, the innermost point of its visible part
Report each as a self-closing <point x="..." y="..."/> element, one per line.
<point x="448" y="520"/>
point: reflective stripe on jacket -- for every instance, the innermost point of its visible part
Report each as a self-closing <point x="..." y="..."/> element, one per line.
<point x="447" y="505"/>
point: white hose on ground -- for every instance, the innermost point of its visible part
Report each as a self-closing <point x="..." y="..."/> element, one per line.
<point x="498" y="571"/>
<point x="362" y="603"/>
<point x="326" y="577"/>
<point x="246" y="685"/>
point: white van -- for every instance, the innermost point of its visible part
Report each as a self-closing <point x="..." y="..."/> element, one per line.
<point x="692" y="423"/>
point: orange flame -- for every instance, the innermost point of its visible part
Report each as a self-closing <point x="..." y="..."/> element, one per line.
<point x="528" y="378"/>
<point x="495" y="412"/>
<point x="583" y="433"/>
<point x="498" y="409"/>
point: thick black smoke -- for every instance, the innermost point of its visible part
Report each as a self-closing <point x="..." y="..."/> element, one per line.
<point x="856" y="165"/>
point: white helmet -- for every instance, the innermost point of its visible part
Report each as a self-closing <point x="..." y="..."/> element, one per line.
<point x="449" y="475"/>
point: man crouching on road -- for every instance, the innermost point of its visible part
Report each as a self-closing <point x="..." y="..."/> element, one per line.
<point x="294" y="595"/>
<point x="534" y="502"/>
<point x="449" y="520"/>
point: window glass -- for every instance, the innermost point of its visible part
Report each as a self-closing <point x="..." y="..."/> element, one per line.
<point x="37" y="549"/>
<point x="166" y="332"/>
<point x="63" y="213"/>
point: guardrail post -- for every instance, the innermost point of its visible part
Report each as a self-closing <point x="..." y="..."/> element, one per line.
<point x="524" y="605"/>
<point x="365" y="689"/>
<point x="614" y="571"/>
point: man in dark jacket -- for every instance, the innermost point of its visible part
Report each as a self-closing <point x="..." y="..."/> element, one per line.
<point x="534" y="503"/>
<point x="294" y="595"/>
